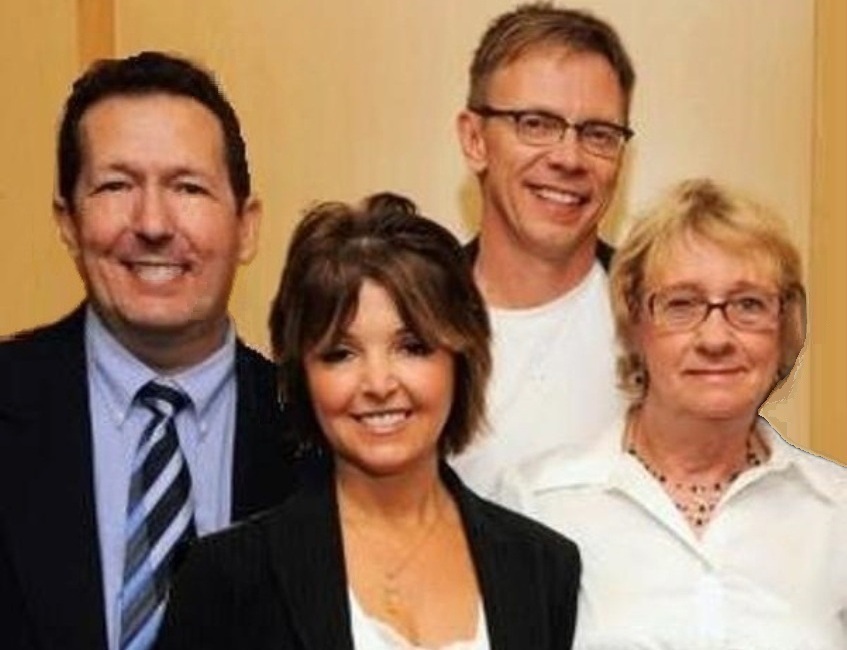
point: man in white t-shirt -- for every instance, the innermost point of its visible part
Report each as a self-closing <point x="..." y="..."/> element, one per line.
<point x="544" y="130"/>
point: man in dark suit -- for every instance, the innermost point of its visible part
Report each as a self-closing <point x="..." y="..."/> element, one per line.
<point x="544" y="130"/>
<point x="154" y="203"/>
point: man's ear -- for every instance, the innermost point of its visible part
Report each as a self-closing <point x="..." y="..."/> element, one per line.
<point x="66" y="222"/>
<point x="250" y="220"/>
<point x="469" y="126"/>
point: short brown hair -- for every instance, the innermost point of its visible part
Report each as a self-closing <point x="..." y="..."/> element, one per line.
<point x="139" y="75"/>
<point x="726" y="218"/>
<point x="539" y="24"/>
<point x="420" y="264"/>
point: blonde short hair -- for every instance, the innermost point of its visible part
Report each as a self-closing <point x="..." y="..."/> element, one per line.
<point x="541" y="24"/>
<point x="723" y="217"/>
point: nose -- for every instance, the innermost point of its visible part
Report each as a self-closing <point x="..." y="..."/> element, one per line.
<point x="567" y="153"/>
<point x="152" y="219"/>
<point x="379" y="379"/>
<point x="715" y="335"/>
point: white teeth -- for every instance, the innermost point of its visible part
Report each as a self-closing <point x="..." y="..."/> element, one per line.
<point x="157" y="273"/>
<point x="383" y="420"/>
<point x="565" y="198"/>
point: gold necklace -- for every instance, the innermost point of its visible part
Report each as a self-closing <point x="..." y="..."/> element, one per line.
<point x="392" y="593"/>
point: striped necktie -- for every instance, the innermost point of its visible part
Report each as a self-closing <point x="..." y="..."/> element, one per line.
<point x="160" y="516"/>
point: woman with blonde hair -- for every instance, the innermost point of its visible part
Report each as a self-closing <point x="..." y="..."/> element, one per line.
<point x="699" y="525"/>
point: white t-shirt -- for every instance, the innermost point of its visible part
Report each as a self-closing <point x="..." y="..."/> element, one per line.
<point x="553" y="382"/>
<point x="768" y="573"/>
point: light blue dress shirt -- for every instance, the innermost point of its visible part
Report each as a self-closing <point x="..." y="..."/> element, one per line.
<point x="206" y="433"/>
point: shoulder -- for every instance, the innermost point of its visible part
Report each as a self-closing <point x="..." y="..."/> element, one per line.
<point x="243" y="552"/>
<point x="495" y="524"/>
<point x="825" y="476"/>
<point x="33" y="358"/>
<point x="40" y="340"/>
<point x="257" y="379"/>
<point x="237" y="555"/>
<point x="539" y="567"/>
<point x="562" y="470"/>
<point x="250" y="360"/>
<point x="517" y="528"/>
<point x="224" y="590"/>
<point x="257" y="385"/>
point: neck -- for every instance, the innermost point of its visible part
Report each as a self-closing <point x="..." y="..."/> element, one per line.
<point x="169" y="352"/>
<point x="408" y="498"/>
<point x="510" y="277"/>
<point x="690" y="448"/>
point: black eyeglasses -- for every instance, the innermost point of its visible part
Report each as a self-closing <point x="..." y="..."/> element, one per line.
<point x="542" y="129"/>
<point x="680" y="310"/>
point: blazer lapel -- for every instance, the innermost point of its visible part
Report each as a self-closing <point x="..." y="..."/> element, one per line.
<point x="307" y="558"/>
<point x="53" y="533"/>
<point x="500" y="580"/>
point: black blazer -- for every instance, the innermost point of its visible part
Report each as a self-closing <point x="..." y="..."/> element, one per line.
<point x="278" y="580"/>
<point x="51" y="592"/>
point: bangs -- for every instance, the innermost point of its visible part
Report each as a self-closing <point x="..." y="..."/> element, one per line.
<point x="732" y="222"/>
<point x="417" y="287"/>
<point x="329" y="301"/>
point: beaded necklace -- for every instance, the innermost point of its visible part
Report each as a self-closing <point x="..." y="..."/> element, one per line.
<point x="697" y="501"/>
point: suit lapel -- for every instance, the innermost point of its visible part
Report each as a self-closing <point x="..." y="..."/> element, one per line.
<point x="261" y="472"/>
<point x="307" y="559"/>
<point x="53" y="537"/>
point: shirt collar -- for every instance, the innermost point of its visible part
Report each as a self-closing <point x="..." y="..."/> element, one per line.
<point x="608" y="465"/>
<point x="206" y="380"/>
<point x="595" y="466"/>
<point x="123" y="374"/>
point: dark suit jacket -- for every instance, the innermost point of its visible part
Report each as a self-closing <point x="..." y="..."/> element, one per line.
<point x="278" y="580"/>
<point x="51" y="592"/>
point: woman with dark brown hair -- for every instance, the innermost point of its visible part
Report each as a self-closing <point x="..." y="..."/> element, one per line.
<point x="382" y="343"/>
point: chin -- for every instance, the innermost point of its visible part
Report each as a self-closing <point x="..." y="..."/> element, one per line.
<point x="384" y="466"/>
<point x="723" y="411"/>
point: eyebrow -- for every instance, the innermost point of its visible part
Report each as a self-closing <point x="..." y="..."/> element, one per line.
<point x="127" y="167"/>
<point x="696" y="286"/>
<point x="549" y="113"/>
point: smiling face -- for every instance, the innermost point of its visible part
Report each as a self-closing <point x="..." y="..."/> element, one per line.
<point x="154" y="226"/>
<point x="714" y="371"/>
<point x="380" y="394"/>
<point x="545" y="201"/>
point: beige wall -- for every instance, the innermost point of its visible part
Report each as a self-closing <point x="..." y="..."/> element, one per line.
<point x="38" y="56"/>
<point x="340" y="99"/>
<point x="828" y="261"/>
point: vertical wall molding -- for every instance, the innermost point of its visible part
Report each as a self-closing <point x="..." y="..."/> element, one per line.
<point x="95" y="30"/>
<point x="828" y="259"/>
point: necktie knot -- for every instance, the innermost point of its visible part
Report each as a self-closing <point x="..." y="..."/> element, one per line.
<point x="162" y="399"/>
